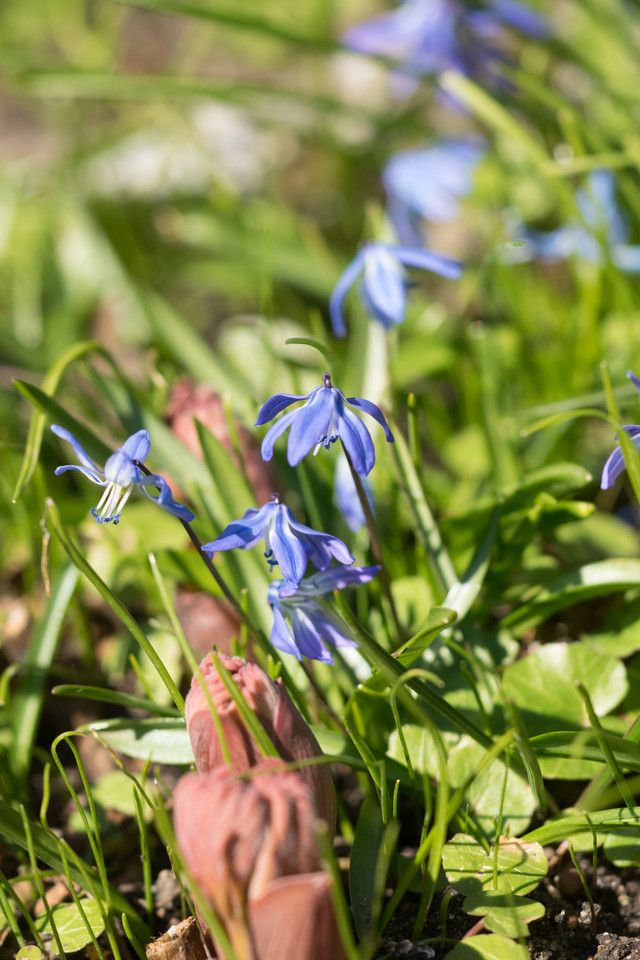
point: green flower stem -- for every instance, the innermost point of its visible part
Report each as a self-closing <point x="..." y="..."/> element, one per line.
<point x="243" y="616"/>
<point x="116" y="605"/>
<point x="391" y="670"/>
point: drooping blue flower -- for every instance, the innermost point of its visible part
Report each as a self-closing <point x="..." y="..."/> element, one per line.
<point x="312" y="621"/>
<point x="428" y="183"/>
<point x="287" y="543"/>
<point x="346" y="497"/>
<point x="603" y="228"/>
<point x="120" y="475"/>
<point x="429" y="36"/>
<point x="383" y="288"/>
<point x="322" y="420"/>
<point x="615" y="463"/>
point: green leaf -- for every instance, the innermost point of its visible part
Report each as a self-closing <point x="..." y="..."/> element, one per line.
<point x="105" y="695"/>
<point x="57" y="414"/>
<point x="50" y="384"/>
<point x="29" y="953"/>
<point x="439" y="618"/>
<point x="362" y="867"/>
<point x="593" y="580"/>
<point x="489" y="946"/>
<point x="71" y="926"/>
<point x="518" y="867"/>
<point x="161" y="740"/>
<point x="26" y="705"/>
<point x="570" y="823"/>
<point x="542" y="686"/>
<point x="622" y="847"/>
<point x="507" y="914"/>
<point x="46" y="848"/>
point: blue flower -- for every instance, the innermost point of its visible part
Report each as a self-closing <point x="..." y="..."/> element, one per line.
<point x="320" y="422"/>
<point x="603" y="226"/>
<point x="313" y="622"/>
<point x="120" y="475"/>
<point x="346" y="497"/>
<point x="287" y="542"/>
<point x="429" y="36"/>
<point x="428" y="182"/>
<point x="615" y="464"/>
<point x="383" y="289"/>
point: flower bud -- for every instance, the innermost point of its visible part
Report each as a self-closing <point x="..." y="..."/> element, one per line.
<point x="249" y="845"/>
<point x="276" y="712"/>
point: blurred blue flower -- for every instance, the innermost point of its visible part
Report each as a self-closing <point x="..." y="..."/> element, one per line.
<point x="603" y="227"/>
<point x="429" y="36"/>
<point x="383" y="288"/>
<point x="120" y="475"/>
<point x="346" y="497"/>
<point x="313" y="622"/>
<point x="615" y="464"/>
<point x="287" y="543"/>
<point x="428" y="182"/>
<point x="320" y="422"/>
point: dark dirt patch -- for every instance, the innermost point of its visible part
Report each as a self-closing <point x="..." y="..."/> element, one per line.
<point x="564" y="933"/>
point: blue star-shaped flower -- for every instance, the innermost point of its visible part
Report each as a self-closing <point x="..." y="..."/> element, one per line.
<point x="313" y="622"/>
<point x="287" y="543"/>
<point x="120" y="475"/>
<point x="383" y="289"/>
<point x="428" y="182"/>
<point x="429" y="36"/>
<point x="603" y="227"/>
<point x="320" y="422"/>
<point x="615" y="463"/>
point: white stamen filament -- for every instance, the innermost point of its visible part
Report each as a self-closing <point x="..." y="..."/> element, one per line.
<point x="111" y="503"/>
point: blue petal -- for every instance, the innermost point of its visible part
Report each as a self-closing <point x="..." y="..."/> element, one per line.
<point x="320" y="547"/>
<point x="521" y="17"/>
<point x="281" y="637"/>
<point x="346" y="496"/>
<point x="305" y="625"/>
<point x="616" y="462"/>
<point x="341" y="289"/>
<point x="626" y="257"/>
<point x="356" y="441"/>
<point x="164" y="498"/>
<point x="384" y="284"/>
<point x="119" y="469"/>
<point x="634" y="380"/>
<point x="310" y="425"/>
<point x="272" y="407"/>
<point x="276" y="431"/>
<point x="374" y="411"/>
<point x="336" y="578"/>
<point x="288" y="550"/>
<point x="137" y="446"/>
<point x="91" y="474"/>
<point x="428" y="260"/>
<point x="243" y="533"/>
<point x="94" y="473"/>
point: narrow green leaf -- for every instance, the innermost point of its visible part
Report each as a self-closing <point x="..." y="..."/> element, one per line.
<point x="162" y="740"/>
<point x="439" y="618"/>
<point x="105" y="695"/>
<point x="362" y="867"/>
<point x="57" y="414"/>
<point x="50" y="384"/>
<point x="26" y="704"/>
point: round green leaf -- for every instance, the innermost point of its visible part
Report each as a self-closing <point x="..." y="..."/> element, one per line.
<point x="72" y="929"/>
<point x="542" y="685"/>
<point x="520" y="865"/>
<point x="504" y="913"/>
<point x="488" y="947"/>
<point x="622" y="848"/>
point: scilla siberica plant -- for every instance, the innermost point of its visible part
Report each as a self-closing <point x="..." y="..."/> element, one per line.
<point x="120" y="475"/>
<point x="322" y="420"/>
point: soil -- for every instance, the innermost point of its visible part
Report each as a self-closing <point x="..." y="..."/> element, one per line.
<point x="566" y="932"/>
